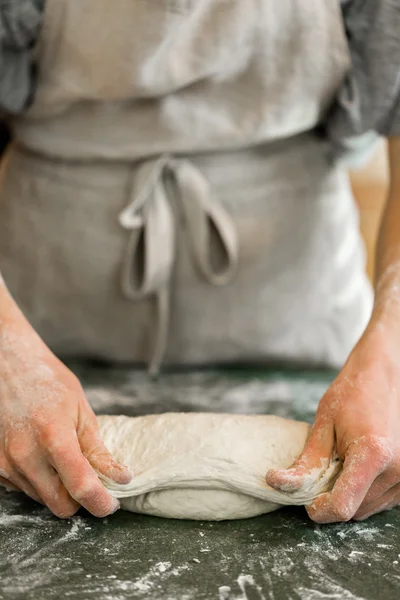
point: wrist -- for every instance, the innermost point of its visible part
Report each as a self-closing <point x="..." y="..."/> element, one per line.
<point x="15" y="329"/>
<point x="386" y="311"/>
<point x="9" y="312"/>
<point x="381" y="338"/>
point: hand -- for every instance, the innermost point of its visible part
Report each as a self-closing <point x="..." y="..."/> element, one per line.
<point x="50" y="445"/>
<point x="360" y="415"/>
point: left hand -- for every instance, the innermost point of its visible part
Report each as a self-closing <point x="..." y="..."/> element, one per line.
<point x="360" y="416"/>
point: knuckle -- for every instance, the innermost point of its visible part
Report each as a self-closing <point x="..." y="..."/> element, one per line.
<point x="378" y="451"/>
<point x="50" y="438"/>
<point x="18" y="450"/>
<point x="85" y="492"/>
<point x="381" y="450"/>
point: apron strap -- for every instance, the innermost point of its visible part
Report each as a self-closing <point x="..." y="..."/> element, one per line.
<point x="151" y="250"/>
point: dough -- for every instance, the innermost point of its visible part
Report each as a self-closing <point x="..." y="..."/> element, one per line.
<point x="208" y="466"/>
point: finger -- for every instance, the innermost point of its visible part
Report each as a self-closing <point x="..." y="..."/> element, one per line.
<point x="8" y="485"/>
<point x="361" y="467"/>
<point x="94" y="449"/>
<point x="316" y="455"/>
<point x="77" y="474"/>
<point x="54" y="494"/>
<point x="22" y="484"/>
<point x="385" y="502"/>
<point x="382" y="484"/>
<point x="16" y="450"/>
<point x="5" y="478"/>
<point x="48" y="485"/>
<point x="16" y="481"/>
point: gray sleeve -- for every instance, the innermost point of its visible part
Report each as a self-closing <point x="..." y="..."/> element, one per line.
<point x="20" y="22"/>
<point x="369" y="100"/>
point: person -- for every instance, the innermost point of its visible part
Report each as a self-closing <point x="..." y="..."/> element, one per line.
<point x="176" y="193"/>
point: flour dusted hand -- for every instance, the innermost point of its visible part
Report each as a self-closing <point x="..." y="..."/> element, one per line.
<point x="360" y="416"/>
<point x="208" y="466"/>
<point x="50" y="446"/>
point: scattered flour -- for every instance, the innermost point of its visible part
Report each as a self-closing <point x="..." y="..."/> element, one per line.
<point x="328" y="589"/>
<point x="356" y="556"/>
<point x="367" y="533"/>
<point x="337" y="593"/>
<point x="247" y="583"/>
<point x="250" y="590"/>
<point x="154" y="578"/>
<point x="7" y="520"/>
<point x="224" y="592"/>
<point x="77" y="524"/>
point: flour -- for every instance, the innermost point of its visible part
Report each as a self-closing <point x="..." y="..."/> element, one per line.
<point x="283" y="566"/>
<point x="330" y="589"/>
<point x="336" y="593"/>
<point x="246" y="583"/>
<point x="77" y="524"/>
<point x="250" y="590"/>
<point x="224" y="592"/>
<point x="356" y="556"/>
<point x="7" y="520"/>
<point x="367" y="533"/>
<point x="155" y="577"/>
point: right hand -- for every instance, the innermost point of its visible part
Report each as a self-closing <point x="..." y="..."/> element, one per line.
<point x="50" y="445"/>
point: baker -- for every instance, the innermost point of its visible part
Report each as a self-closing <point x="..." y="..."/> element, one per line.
<point x="176" y="194"/>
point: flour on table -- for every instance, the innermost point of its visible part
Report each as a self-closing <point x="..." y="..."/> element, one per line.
<point x="208" y="466"/>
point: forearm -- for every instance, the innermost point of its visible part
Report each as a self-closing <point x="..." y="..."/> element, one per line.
<point x="13" y="324"/>
<point x="6" y="302"/>
<point x="386" y="312"/>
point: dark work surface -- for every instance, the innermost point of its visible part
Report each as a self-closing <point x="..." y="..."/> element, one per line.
<point x="282" y="555"/>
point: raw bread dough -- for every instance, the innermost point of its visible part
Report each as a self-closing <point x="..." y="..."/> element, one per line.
<point x="208" y="466"/>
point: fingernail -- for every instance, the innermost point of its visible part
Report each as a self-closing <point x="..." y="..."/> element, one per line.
<point x="285" y="481"/>
<point x="275" y="474"/>
<point x="121" y="466"/>
<point x="125" y="475"/>
<point x="285" y="472"/>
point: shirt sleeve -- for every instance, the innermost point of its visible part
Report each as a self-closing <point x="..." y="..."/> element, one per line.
<point x="368" y="102"/>
<point x="20" y="22"/>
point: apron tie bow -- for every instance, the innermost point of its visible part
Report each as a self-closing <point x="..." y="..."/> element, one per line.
<point x="164" y="190"/>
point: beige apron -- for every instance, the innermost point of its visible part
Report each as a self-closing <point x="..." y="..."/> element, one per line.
<point x="167" y="198"/>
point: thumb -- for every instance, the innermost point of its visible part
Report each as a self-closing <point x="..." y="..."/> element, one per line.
<point x="318" y="450"/>
<point x="94" y="449"/>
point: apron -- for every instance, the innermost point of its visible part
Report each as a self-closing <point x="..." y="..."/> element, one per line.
<point x="167" y="198"/>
